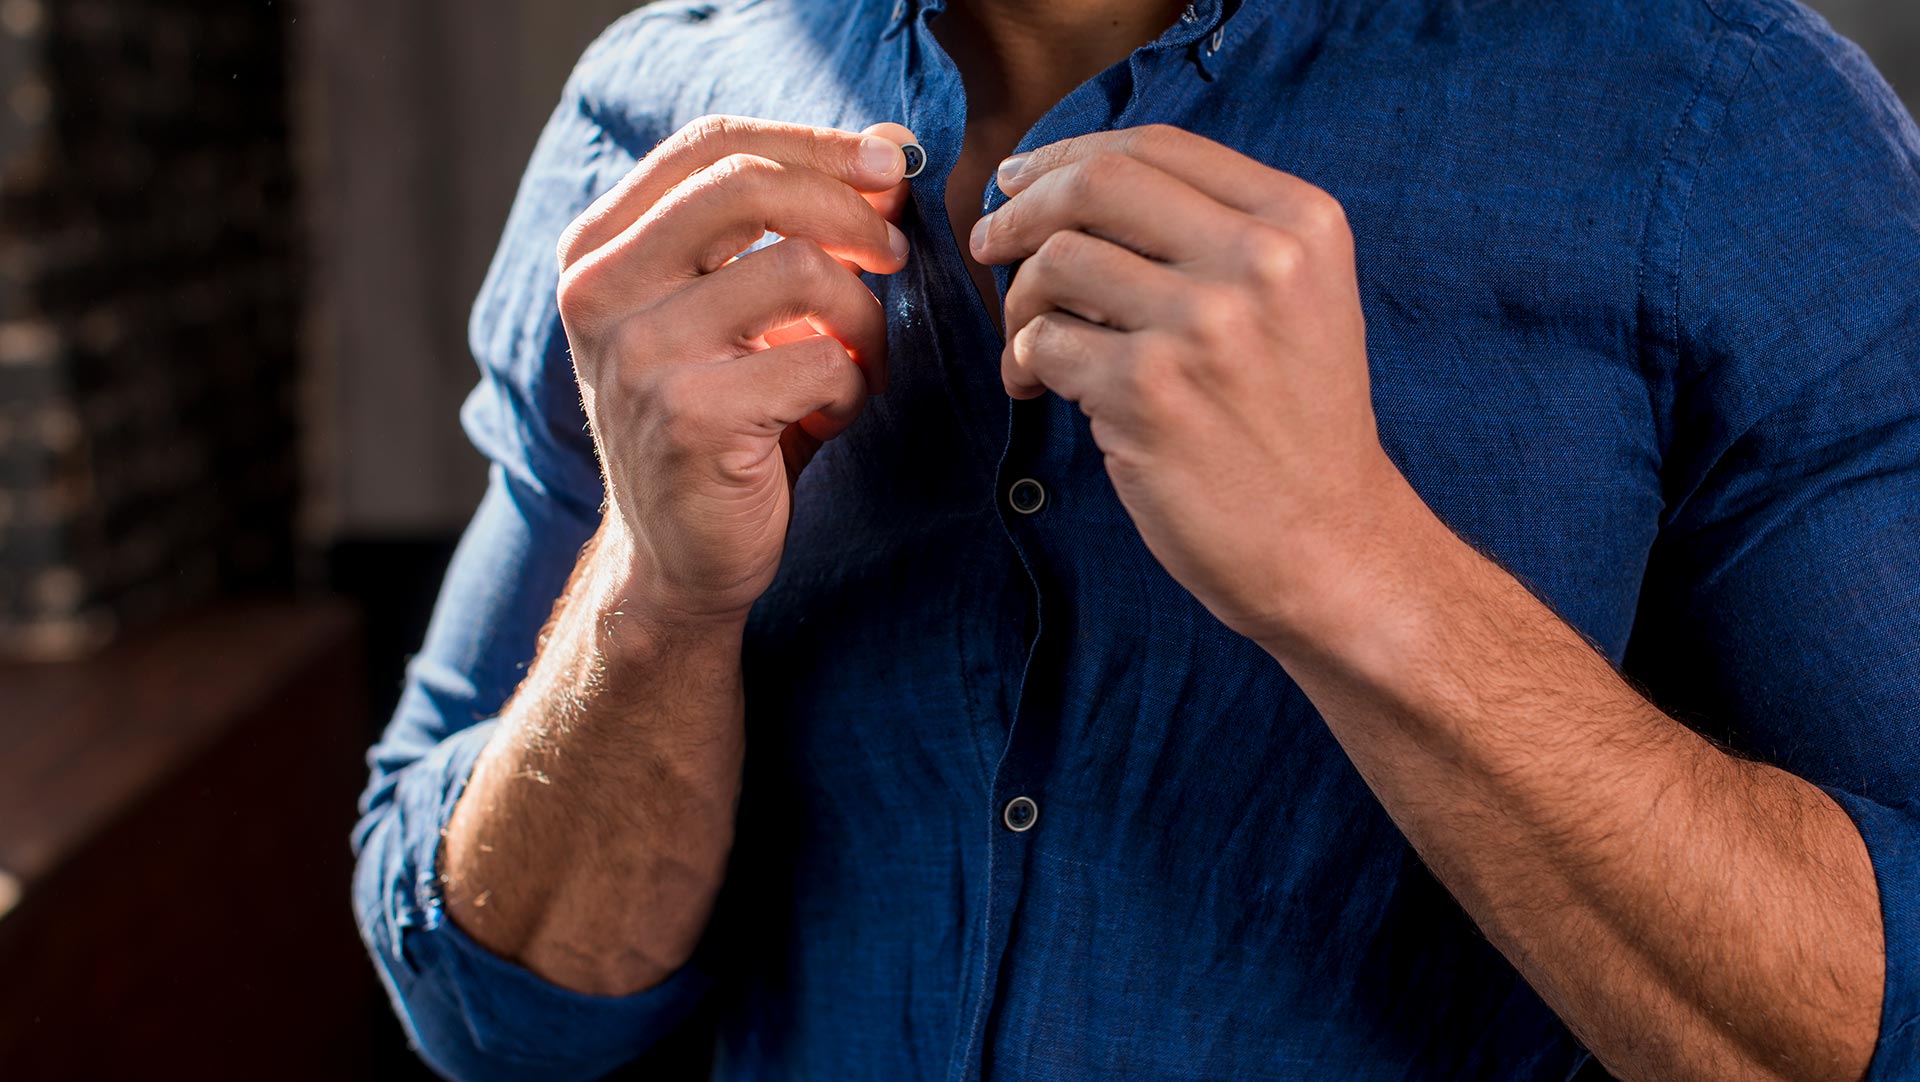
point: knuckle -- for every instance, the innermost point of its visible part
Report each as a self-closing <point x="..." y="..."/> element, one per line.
<point x="1153" y="137"/>
<point x="567" y="251"/>
<point x="575" y="296"/>
<point x="1009" y="221"/>
<point x="823" y="369"/>
<point x="802" y="257"/>
<point x="843" y="156"/>
<point x="1044" y="159"/>
<point x="825" y="360"/>
<point x="1274" y="255"/>
<point x="1322" y="217"/>
<point x="1100" y="172"/>
<point x="673" y="403"/>
<point x="739" y="169"/>
<point x="801" y="267"/>
<point x="712" y="127"/>
<point x="1022" y="298"/>
<point x="1057" y="251"/>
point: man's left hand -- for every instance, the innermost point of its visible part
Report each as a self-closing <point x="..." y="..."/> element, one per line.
<point x="1203" y="309"/>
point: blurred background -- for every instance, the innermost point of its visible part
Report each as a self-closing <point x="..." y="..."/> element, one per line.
<point x="238" y="243"/>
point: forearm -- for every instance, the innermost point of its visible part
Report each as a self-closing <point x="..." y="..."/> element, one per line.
<point x="594" y="832"/>
<point x="1690" y="915"/>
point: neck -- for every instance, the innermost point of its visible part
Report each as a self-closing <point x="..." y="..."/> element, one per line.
<point x="1018" y="57"/>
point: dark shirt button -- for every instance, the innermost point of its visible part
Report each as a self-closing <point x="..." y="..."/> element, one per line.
<point x="1021" y="814"/>
<point x="1026" y="496"/>
<point x="916" y="157"/>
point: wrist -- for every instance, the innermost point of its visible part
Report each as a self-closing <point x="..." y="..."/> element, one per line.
<point x="636" y="624"/>
<point x="1356" y="594"/>
<point x="629" y="678"/>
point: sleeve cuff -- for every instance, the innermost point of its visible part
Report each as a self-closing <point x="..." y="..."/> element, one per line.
<point x="1893" y="843"/>
<point x="470" y="1013"/>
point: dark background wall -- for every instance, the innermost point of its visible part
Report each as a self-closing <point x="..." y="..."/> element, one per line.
<point x="418" y="117"/>
<point x="150" y="287"/>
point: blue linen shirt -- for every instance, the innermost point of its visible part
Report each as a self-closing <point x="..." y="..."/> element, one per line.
<point x="1642" y="280"/>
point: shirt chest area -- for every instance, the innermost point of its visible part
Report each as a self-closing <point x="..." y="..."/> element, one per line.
<point x="1501" y="308"/>
<point x="1518" y="410"/>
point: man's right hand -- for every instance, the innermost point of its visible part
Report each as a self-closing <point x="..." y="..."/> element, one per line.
<point x="593" y="835"/>
<point x="709" y="380"/>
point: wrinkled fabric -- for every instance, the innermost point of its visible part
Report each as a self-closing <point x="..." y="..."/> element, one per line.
<point x="1642" y="280"/>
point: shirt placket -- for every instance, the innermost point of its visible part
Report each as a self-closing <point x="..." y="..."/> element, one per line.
<point x="1031" y="478"/>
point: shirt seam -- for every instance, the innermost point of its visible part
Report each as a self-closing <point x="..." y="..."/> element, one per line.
<point x="1760" y="28"/>
<point x="1674" y="182"/>
<point x="1708" y="139"/>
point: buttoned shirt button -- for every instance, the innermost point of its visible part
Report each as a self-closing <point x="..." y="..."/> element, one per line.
<point x="1026" y="496"/>
<point x="1020" y="814"/>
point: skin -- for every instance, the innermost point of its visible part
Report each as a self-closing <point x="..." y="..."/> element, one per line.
<point x="1690" y="915"/>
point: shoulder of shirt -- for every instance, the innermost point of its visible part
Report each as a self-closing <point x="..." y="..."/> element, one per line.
<point x="659" y="30"/>
<point x="1677" y="26"/>
<point x="1763" y="18"/>
<point x="1804" y="63"/>
<point x="1686" y="43"/>
<point x="622" y="75"/>
<point x="1787" y="30"/>
<point x="637" y="77"/>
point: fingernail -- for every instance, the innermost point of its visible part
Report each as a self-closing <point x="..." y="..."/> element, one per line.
<point x="878" y="156"/>
<point x="978" y="238"/>
<point x="1009" y="170"/>
<point x="897" y="241"/>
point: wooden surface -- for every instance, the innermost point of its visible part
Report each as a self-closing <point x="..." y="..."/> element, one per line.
<point x="175" y="814"/>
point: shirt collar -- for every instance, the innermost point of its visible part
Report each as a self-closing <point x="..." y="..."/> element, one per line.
<point x="1202" y="32"/>
<point x="1203" y="21"/>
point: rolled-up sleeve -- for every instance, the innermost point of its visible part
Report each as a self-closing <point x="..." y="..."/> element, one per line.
<point x="471" y="1014"/>
<point x="1781" y="611"/>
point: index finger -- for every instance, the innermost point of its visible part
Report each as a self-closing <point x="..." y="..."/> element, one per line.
<point x="865" y="162"/>
<point x="1221" y="173"/>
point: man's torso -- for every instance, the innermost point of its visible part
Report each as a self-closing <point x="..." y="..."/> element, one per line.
<point x="1208" y="889"/>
